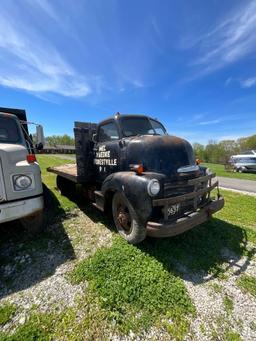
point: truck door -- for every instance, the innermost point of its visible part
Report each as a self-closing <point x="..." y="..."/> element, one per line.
<point x="107" y="150"/>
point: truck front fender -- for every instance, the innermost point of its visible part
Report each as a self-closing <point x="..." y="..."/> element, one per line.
<point x="134" y="188"/>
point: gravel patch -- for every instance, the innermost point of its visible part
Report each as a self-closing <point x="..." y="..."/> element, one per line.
<point x="211" y="313"/>
<point x="35" y="275"/>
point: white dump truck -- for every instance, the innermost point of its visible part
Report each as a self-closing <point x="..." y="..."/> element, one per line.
<point x="21" y="190"/>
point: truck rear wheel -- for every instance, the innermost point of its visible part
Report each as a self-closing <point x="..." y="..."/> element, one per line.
<point x="240" y="169"/>
<point x="33" y="223"/>
<point x="66" y="187"/>
<point x="126" y="220"/>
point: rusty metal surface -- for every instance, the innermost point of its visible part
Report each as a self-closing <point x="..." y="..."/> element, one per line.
<point x="179" y="187"/>
<point x="160" y="154"/>
<point x="181" y="198"/>
<point x="185" y="223"/>
<point x="68" y="171"/>
<point x="201" y="179"/>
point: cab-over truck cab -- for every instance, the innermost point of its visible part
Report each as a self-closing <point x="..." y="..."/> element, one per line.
<point x="148" y="179"/>
<point x="21" y="192"/>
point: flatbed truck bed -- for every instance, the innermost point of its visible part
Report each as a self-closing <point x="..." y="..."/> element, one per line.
<point x="67" y="171"/>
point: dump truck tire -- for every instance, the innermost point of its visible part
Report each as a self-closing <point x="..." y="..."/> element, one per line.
<point x="126" y="220"/>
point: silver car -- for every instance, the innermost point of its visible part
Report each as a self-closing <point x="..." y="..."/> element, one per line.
<point x="244" y="162"/>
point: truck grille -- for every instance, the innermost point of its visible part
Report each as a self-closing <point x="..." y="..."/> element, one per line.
<point x="2" y="189"/>
<point x="179" y="188"/>
<point x="184" y="196"/>
<point x="171" y="190"/>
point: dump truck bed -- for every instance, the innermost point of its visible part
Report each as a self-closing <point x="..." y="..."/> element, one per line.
<point x="68" y="171"/>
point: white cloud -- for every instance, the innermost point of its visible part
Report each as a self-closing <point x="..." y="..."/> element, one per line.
<point x="248" y="83"/>
<point x="204" y="123"/>
<point x="46" y="6"/>
<point x="199" y="116"/>
<point x="233" y="39"/>
<point x="30" y="62"/>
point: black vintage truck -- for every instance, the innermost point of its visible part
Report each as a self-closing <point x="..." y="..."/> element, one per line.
<point x="128" y="165"/>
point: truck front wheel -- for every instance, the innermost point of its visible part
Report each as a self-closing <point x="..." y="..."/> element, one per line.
<point x="33" y="223"/>
<point x="126" y="220"/>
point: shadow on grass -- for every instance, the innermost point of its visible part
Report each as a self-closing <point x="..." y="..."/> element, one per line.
<point x="92" y="212"/>
<point x="205" y="252"/>
<point x="26" y="260"/>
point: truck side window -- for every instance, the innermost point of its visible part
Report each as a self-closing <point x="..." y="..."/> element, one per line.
<point x="9" y="132"/>
<point x="158" y="127"/>
<point x="108" y="132"/>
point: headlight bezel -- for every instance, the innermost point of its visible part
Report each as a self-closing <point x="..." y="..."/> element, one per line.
<point x="153" y="187"/>
<point x="18" y="186"/>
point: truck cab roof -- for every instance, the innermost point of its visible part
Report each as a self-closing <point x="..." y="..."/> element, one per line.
<point x="20" y="113"/>
<point x="134" y="125"/>
<point x="118" y="115"/>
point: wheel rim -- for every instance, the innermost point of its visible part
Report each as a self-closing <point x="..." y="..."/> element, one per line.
<point x="123" y="216"/>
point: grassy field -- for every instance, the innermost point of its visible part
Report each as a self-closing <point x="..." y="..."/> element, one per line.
<point x="49" y="179"/>
<point x="129" y="290"/>
<point x="220" y="171"/>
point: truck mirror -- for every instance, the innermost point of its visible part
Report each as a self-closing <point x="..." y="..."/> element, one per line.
<point x="39" y="137"/>
<point x="94" y="138"/>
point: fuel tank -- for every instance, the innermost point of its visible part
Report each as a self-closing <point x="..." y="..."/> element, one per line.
<point x="161" y="154"/>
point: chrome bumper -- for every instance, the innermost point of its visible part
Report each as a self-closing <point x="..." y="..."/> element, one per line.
<point x="185" y="223"/>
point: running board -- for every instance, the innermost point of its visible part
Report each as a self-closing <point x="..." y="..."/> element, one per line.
<point x="99" y="201"/>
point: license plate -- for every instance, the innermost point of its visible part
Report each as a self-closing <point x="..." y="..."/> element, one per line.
<point x="173" y="209"/>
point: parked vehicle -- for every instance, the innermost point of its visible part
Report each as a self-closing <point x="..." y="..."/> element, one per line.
<point x="244" y="162"/>
<point x="130" y="166"/>
<point x="21" y="192"/>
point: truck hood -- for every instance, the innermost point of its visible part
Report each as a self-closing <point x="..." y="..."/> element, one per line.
<point x="162" y="154"/>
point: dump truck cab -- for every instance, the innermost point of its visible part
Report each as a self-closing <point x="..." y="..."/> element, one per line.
<point x="21" y="192"/>
<point x="147" y="178"/>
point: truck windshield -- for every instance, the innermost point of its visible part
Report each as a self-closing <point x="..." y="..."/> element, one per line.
<point x="132" y="126"/>
<point x="9" y="131"/>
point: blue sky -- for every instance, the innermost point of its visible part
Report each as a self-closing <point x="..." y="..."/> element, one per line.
<point x="191" y="64"/>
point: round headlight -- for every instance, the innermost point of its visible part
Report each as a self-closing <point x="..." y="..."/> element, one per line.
<point x="153" y="187"/>
<point x="22" y="182"/>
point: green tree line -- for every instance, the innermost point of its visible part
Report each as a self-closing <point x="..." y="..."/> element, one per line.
<point x="60" y="140"/>
<point x="215" y="152"/>
<point x="220" y="152"/>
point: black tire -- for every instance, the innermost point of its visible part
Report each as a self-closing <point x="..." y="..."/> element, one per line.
<point x="126" y="220"/>
<point x="48" y="198"/>
<point x="66" y="187"/>
<point x="241" y="169"/>
<point x="34" y="223"/>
